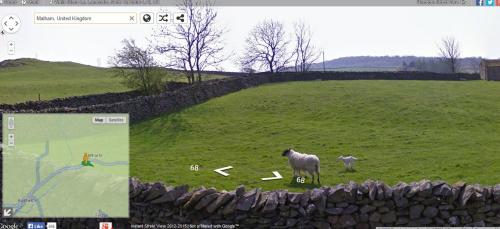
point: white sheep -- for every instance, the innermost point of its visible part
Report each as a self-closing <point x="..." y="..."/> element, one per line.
<point x="348" y="161"/>
<point x="305" y="162"/>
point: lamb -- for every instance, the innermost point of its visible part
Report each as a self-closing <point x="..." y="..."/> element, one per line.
<point x="348" y="161"/>
<point x="305" y="162"/>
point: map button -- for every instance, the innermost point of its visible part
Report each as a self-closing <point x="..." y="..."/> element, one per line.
<point x="98" y="120"/>
<point x="10" y="123"/>
<point x="11" y="140"/>
<point x="11" y="23"/>
<point x="116" y="120"/>
<point x="11" y="47"/>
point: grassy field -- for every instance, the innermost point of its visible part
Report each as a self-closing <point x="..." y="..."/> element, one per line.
<point x="54" y="80"/>
<point x="400" y="131"/>
<point x="51" y="80"/>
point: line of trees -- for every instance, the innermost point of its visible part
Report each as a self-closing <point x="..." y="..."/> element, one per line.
<point x="192" y="47"/>
<point x="198" y="44"/>
<point x="267" y="48"/>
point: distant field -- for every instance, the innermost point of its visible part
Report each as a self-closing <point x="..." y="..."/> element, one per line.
<point x="54" y="80"/>
<point x="51" y="80"/>
<point x="400" y="130"/>
<point x="362" y="69"/>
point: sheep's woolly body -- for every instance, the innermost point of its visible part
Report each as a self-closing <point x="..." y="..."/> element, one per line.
<point x="304" y="162"/>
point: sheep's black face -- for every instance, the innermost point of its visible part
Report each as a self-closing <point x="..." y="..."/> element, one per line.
<point x="285" y="153"/>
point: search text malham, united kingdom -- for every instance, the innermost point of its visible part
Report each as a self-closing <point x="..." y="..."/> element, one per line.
<point x="64" y="18"/>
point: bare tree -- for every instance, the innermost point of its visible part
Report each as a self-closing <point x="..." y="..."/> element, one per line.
<point x="449" y="51"/>
<point x="137" y="67"/>
<point x="266" y="47"/>
<point x="195" y="45"/>
<point x="305" y="53"/>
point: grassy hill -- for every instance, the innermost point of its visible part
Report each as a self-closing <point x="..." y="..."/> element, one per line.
<point x="24" y="79"/>
<point x="400" y="131"/>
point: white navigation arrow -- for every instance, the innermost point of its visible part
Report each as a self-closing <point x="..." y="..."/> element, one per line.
<point x="221" y="170"/>
<point x="7" y="212"/>
<point x="277" y="176"/>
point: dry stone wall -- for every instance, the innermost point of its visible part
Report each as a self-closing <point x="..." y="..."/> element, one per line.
<point x="367" y="205"/>
<point x="180" y="96"/>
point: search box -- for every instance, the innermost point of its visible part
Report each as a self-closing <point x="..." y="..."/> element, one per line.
<point x="85" y="18"/>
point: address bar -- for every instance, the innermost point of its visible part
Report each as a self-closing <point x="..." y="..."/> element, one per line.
<point x="84" y="18"/>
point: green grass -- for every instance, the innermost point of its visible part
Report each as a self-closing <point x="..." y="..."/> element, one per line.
<point x="53" y="80"/>
<point x="400" y="131"/>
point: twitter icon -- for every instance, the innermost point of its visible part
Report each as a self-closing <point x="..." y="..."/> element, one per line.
<point x="489" y="2"/>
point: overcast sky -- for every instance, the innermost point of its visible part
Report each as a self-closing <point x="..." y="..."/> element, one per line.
<point x="339" y="31"/>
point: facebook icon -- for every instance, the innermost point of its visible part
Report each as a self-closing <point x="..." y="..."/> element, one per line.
<point x="479" y="2"/>
<point x="36" y="225"/>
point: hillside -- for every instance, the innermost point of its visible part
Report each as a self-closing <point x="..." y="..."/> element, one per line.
<point x="400" y="131"/>
<point x="387" y="63"/>
<point x="24" y="79"/>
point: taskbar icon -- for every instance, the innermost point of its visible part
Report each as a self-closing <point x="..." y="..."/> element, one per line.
<point x="105" y="225"/>
<point x="36" y="225"/>
<point x="51" y="225"/>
